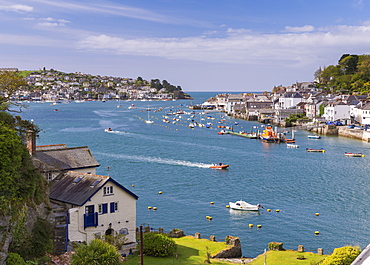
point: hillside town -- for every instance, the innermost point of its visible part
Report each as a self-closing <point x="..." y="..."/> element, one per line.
<point x="52" y="85"/>
<point x="301" y="99"/>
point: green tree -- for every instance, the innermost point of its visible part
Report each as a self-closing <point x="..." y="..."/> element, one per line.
<point x="19" y="180"/>
<point x="97" y="252"/>
<point x="349" y="64"/>
<point x="342" y="256"/>
<point x="9" y="83"/>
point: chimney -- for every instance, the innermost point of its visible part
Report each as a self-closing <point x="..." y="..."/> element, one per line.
<point x="31" y="142"/>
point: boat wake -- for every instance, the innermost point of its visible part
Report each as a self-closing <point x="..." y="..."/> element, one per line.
<point x="157" y="160"/>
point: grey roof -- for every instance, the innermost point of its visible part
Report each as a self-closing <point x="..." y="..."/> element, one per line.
<point x="292" y="95"/>
<point x="366" y="107"/>
<point x="77" y="188"/>
<point x="67" y="158"/>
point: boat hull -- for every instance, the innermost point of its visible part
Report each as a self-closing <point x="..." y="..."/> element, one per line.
<point x="315" y="150"/>
<point x="354" y="155"/>
<point x="243" y="206"/>
<point x="220" y="167"/>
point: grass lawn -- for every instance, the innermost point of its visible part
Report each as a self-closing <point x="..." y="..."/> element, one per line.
<point x="190" y="251"/>
<point x="288" y="257"/>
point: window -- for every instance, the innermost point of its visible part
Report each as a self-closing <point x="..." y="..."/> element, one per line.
<point x="108" y="190"/>
<point x="89" y="209"/>
<point x="49" y="176"/>
<point x="113" y="207"/>
<point x="103" y="208"/>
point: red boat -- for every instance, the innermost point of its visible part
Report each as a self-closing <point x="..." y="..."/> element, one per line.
<point x="219" y="166"/>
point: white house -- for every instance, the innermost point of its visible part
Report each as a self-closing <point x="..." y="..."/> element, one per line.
<point x="337" y="111"/>
<point x="93" y="205"/>
<point x="364" y="114"/>
<point x="289" y="100"/>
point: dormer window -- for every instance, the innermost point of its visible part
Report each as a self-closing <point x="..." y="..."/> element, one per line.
<point x="108" y="190"/>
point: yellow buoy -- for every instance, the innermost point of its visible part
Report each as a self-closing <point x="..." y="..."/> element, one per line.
<point x="277" y="210"/>
<point x="160" y="192"/>
<point x="212" y="203"/>
<point x="227" y="206"/>
<point x="149" y="207"/>
<point x="154" y="208"/>
<point x="269" y="210"/>
<point x="317" y="232"/>
<point x="259" y="226"/>
<point x="132" y="185"/>
<point x="317" y="214"/>
<point x="250" y="225"/>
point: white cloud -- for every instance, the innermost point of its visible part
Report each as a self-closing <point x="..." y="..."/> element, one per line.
<point x="52" y="22"/>
<point x="243" y="47"/>
<point x="231" y="31"/>
<point x="307" y="28"/>
<point x="17" y="8"/>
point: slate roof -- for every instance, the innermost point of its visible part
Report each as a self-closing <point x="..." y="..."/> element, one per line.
<point x="292" y="95"/>
<point x="366" y="107"/>
<point x="63" y="158"/>
<point x="77" y="188"/>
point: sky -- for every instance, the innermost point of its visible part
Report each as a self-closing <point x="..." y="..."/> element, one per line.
<point x="200" y="45"/>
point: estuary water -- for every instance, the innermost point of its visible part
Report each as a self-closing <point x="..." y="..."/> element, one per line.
<point x="175" y="159"/>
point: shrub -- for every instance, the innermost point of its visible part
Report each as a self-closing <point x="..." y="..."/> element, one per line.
<point x="97" y="252"/>
<point x="342" y="256"/>
<point x="275" y="246"/>
<point x="15" y="259"/>
<point x="158" y="245"/>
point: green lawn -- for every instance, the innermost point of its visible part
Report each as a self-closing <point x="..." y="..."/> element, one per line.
<point x="192" y="251"/>
<point x="288" y="257"/>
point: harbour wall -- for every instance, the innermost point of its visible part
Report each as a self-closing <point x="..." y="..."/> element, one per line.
<point x="343" y="131"/>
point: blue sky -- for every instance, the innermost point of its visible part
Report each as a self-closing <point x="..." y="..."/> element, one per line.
<point x="200" y="45"/>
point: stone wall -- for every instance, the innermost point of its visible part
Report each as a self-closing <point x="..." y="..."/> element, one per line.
<point x="234" y="252"/>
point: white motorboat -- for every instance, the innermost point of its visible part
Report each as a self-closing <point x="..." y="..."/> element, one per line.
<point x="292" y="145"/>
<point x="314" y="136"/>
<point x="244" y="206"/>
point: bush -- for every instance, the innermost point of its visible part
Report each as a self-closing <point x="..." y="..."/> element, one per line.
<point x="15" y="259"/>
<point x="342" y="256"/>
<point x="97" y="252"/>
<point x="275" y="246"/>
<point x="158" y="245"/>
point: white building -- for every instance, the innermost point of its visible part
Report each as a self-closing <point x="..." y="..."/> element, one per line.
<point x="94" y="205"/>
<point x="290" y="100"/>
<point x="337" y="111"/>
<point x="363" y="114"/>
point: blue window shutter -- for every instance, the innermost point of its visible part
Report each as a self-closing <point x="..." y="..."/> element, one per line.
<point x="105" y="208"/>
<point x="112" y="208"/>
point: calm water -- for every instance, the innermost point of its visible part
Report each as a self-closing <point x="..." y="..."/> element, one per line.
<point x="174" y="159"/>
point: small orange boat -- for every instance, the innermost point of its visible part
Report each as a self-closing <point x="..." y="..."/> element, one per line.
<point x="219" y="166"/>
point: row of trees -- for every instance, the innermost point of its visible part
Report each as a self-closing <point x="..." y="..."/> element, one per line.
<point x="352" y="74"/>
